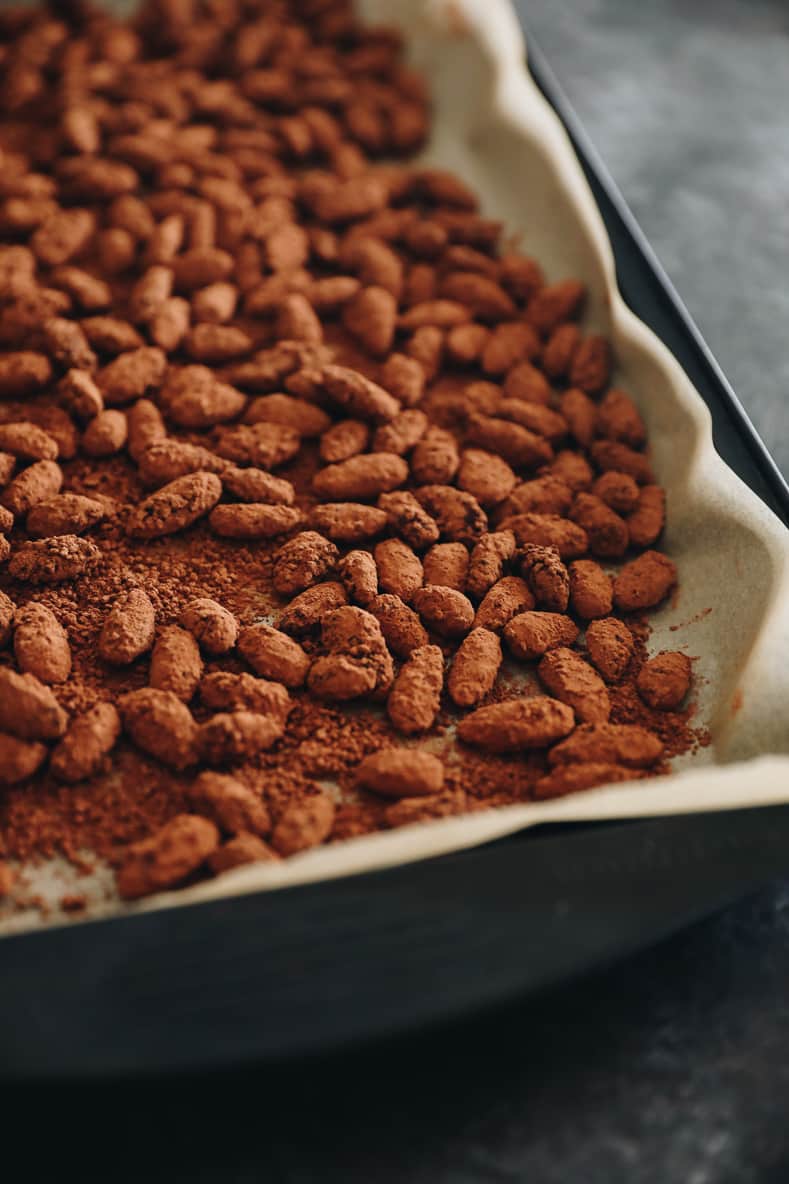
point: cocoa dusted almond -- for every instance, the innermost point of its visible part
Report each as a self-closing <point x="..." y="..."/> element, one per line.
<point x="531" y="634"/>
<point x="402" y="628"/>
<point x="53" y="560"/>
<point x="305" y="418"/>
<point x="214" y="628"/>
<point x="415" y="698"/>
<point x="41" y="644"/>
<point x="231" y="805"/>
<point x="303" y="561"/>
<point x="444" y="610"/>
<point x="576" y="683"/>
<point x="252" y="520"/>
<point x="303" y="824"/>
<point x="517" y="724"/>
<point x="610" y="645"/>
<point x="37" y="483"/>
<point x="509" y="596"/>
<point x="176" y="664"/>
<point x="65" y="513"/>
<point x="233" y="736"/>
<point x="358" y="396"/>
<point x="175" y="506"/>
<point x="161" y="725"/>
<point x="475" y="668"/>
<point x="664" y="681"/>
<point x="573" y="778"/>
<point x="266" y="445"/>
<point x="223" y="691"/>
<point x="28" y="708"/>
<point x="486" y="565"/>
<point x="89" y="739"/>
<point x="167" y="459"/>
<point x="622" y="744"/>
<point x="128" y="629"/>
<point x="591" y="590"/>
<point x="19" y="759"/>
<point x="361" y="477"/>
<point x="193" y="397"/>
<point x="27" y="441"/>
<point x="348" y="522"/>
<point x="644" y="582"/>
<point x="273" y="654"/>
<point x="165" y="859"/>
<point x="401" y="772"/>
<point x="358" y="574"/>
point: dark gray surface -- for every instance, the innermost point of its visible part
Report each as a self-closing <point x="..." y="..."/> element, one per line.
<point x="688" y="104"/>
<point x="673" y="1067"/>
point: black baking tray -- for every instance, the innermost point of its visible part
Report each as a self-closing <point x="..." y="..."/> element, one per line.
<point x="304" y="970"/>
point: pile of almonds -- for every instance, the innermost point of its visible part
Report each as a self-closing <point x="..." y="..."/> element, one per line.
<point x="243" y="349"/>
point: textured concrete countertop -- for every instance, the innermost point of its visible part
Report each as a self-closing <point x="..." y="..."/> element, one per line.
<point x="672" y="1068"/>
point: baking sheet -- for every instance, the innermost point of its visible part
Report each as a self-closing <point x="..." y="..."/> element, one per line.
<point x="732" y="613"/>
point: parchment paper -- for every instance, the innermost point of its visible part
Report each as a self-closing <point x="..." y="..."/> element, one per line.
<point x="732" y="613"/>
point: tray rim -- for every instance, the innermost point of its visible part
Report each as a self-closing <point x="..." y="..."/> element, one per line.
<point x="761" y="459"/>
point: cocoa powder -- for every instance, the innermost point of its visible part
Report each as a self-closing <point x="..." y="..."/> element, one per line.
<point x="189" y="641"/>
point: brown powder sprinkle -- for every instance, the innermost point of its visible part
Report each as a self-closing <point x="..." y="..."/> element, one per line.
<point x="289" y="448"/>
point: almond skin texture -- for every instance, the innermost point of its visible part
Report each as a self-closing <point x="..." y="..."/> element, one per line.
<point x="128" y="629"/>
<point x="166" y="858"/>
<point x="176" y="664"/>
<point x="214" y="628"/>
<point x="576" y="683"/>
<point x="517" y="725"/>
<point x="400" y="772"/>
<point x="161" y="725"/>
<point x="174" y="507"/>
<point x="88" y="740"/>
<point x="41" y="645"/>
